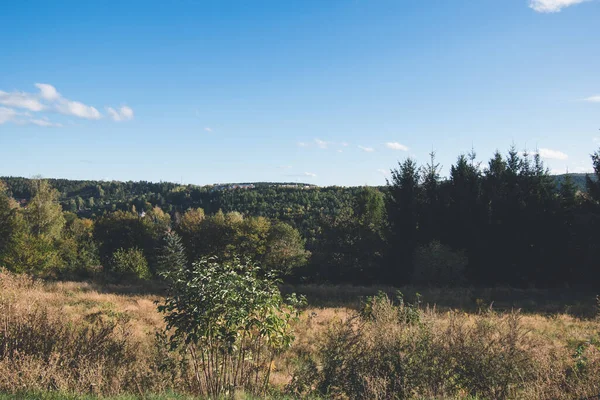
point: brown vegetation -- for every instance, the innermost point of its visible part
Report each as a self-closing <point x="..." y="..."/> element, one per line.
<point x="80" y="338"/>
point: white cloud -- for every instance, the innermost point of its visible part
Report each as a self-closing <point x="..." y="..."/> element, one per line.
<point x="208" y="129"/>
<point x="21" y="100"/>
<point x="302" y="144"/>
<point x="340" y="151"/>
<point x="321" y="143"/>
<point x="592" y="99"/>
<point x="45" y="123"/>
<point x="127" y="112"/>
<point x="552" y="6"/>
<point x="285" y="167"/>
<point x="396" y="146"/>
<point x="80" y="110"/>
<point x="310" y="174"/>
<point x="345" y="144"/>
<point x="553" y="154"/>
<point x="48" y="99"/>
<point x="47" y="91"/>
<point x="77" y="109"/>
<point x="383" y="171"/>
<point x="122" y="114"/>
<point x="367" y="149"/>
<point x="7" y="114"/>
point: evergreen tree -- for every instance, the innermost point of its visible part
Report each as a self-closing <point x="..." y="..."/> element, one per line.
<point x="8" y="221"/>
<point x="402" y="204"/>
<point x="172" y="255"/>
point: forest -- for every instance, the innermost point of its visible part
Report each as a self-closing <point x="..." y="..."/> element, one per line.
<point x="503" y="222"/>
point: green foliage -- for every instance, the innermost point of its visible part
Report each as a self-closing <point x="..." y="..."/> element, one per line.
<point x="122" y="229"/>
<point x="43" y="215"/>
<point x="374" y="307"/>
<point x="129" y="263"/>
<point x="33" y="254"/>
<point x="278" y="246"/>
<point x="438" y="265"/>
<point x="512" y="220"/>
<point x="285" y="251"/>
<point x="172" y="255"/>
<point x="231" y="320"/>
<point x="8" y="223"/>
<point x="35" y="232"/>
<point x="78" y="249"/>
<point x="351" y="245"/>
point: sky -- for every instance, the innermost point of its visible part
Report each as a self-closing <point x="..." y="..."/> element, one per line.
<point x="329" y="92"/>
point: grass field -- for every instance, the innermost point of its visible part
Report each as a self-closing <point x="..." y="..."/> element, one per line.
<point x="94" y="340"/>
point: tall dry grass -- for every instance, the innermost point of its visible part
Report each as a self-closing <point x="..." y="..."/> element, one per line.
<point x="89" y="339"/>
<point x="486" y="355"/>
<point x="66" y="338"/>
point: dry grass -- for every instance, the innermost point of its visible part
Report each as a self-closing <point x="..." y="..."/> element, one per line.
<point x="555" y="355"/>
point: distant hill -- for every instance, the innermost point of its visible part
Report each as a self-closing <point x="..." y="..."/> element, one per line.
<point x="578" y="180"/>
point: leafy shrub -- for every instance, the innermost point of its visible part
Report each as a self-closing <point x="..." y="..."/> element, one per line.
<point x="130" y="262"/>
<point x="231" y="320"/>
<point x="376" y="306"/>
<point x="439" y="265"/>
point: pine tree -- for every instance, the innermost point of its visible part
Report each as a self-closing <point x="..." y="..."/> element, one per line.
<point x="593" y="184"/>
<point x="402" y="204"/>
<point x="172" y="255"/>
<point x="8" y="221"/>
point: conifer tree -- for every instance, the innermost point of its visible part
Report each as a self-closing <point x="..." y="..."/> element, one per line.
<point x="402" y="204"/>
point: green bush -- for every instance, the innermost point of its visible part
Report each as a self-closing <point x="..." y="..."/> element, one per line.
<point x="130" y="262"/>
<point x="377" y="305"/>
<point x="231" y="320"/>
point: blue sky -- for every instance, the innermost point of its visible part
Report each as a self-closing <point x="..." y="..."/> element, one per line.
<point x="331" y="92"/>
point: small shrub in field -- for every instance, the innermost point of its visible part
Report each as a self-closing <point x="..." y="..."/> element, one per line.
<point x="231" y="320"/>
<point x="130" y="262"/>
<point x="439" y="265"/>
<point x="374" y="307"/>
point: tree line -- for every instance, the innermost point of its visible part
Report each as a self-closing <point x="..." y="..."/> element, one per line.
<point x="505" y="222"/>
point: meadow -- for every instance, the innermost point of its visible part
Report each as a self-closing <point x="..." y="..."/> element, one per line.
<point x="84" y="340"/>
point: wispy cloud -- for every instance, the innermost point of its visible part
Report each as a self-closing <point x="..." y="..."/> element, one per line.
<point x="552" y="154"/>
<point x="367" y="149"/>
<point x="310" y="174"/>
<point x="396" y="146"/>
<point x="592" y="99"/>
<point x="45" y="123"/>
<point x="384" y="172"/>
<point x="24" y="118"/>
<point x="552" y="6"/>
<point x="22" y="100"/>
<point x="208" y="129"/>
<point x="302" y="144"/>
<point x="321" y="143"/>
<point x="285" y="167"/>
<point x="7" y="114"/>
<point x="48" y="99"/>
<point x="122" y="114"/>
